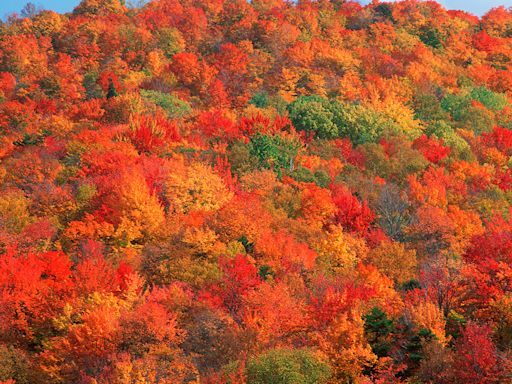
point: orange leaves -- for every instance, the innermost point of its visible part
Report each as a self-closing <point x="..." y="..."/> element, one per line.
<point x="317" y="205"/>
<point x="275" y="314"/>
<point x="7" y="84"/>
<point x="245" y="216"/>
<point x="156" y="141"/>
<point x="449" y="230"/>
<point x="186" y="67"/>
<point x="283" y="253"/>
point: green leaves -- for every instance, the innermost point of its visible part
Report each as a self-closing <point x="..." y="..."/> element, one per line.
<point x="328" y="119"/>
<point x="275" y="151"/>
<point x="173" y="105"/>
<point x="314" y="115"/>
<point x="285" y="366"/>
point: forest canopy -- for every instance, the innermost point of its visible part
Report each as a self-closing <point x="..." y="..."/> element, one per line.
<point x="264" y="192"/>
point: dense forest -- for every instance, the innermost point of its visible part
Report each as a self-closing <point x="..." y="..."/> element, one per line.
<point x="264" y="192"/>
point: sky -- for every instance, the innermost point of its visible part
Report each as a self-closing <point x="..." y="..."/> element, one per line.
<point x="478" y="7"/>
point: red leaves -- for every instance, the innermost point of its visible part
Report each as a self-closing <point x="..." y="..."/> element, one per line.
<point x="34" y="288"/>
<point x="240" y="277"/>
<point x="351" y="155"/>
<point x="476" y="360"/>
<point x="500" y="138"/>
<point x="232" y="59"/>
<point x="7" y="83"/>
<point x="150" y="133"/>
<point x="215" y="124"/>
<point x="352" y="214"/>
<point x="483" y="42"/>
<point x="433" y="150"/>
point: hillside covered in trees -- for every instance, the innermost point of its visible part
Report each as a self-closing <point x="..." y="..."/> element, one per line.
<point x="264" y="192"/>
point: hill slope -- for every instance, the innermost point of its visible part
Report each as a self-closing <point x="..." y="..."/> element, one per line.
<point x="266" y="192"/>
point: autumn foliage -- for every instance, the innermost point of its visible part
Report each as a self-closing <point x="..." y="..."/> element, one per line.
<point x="255" y="192"/>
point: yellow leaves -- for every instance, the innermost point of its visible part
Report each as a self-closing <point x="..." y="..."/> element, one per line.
<point x="140" y="211"/>
<point x="427" y="315"/>
<point x="316" y="85"/>
<point x="133" y="79"/>
<point x="156" y="62"/>
<point x="196" y="188"/>
<point x="334" y="58"/>
<point x="14" y="213"/>
<point x="395" y="261"/>
<point x="400" y="114"/>
<point x="59" y="125"/>
<point x="99" y="7"/>
<point x="47" y="23"/>
<point x="288" y="84"/>
<point x="501" y="312"/>
<point x="64" y="321"/>
<point x="340" y="252"/>
<point x="346" y="348"/>
<point x="203" y="241"/>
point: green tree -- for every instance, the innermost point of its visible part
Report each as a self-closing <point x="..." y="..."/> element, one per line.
<point x="378" y="331"/>
<point x="314" y="115"/>
<point x="491" y="100"/>
<point x="286" y="366"/>
<point x="111" y="92"/>
<point x="275" y="151"/>
<point x="173" y="105"/>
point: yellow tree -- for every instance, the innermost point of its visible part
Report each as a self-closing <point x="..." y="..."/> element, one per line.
<point x="195" y="187"/>
<point x="346" y="349"/>
<point x="139" y="211"/>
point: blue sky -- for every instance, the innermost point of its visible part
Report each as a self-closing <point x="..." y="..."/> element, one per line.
<point x="477" y="7"/>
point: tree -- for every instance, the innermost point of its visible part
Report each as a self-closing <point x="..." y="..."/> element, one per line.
<point x="394" y="261"/>
<point x="352" y="214"/>
<point x="286" y="366"/>
<point x="30" y="10"/>
<point x="277" y="151"/>
<point x="313" y="114"/>
<point x="476" y="359"/>
<point x="111" y="91"/>
<point x="140" y="213"/>
<point x="379" y="331"/>
<point x="347" y="349"/>
<point x="195" y="187"/>
<point x="99" y="7"/>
